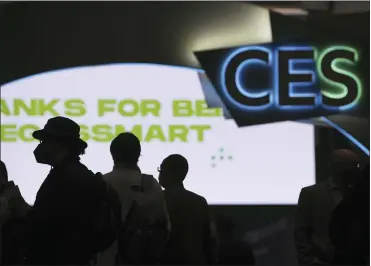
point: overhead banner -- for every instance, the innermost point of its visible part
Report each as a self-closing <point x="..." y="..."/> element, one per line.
<point x="276" y="82"/>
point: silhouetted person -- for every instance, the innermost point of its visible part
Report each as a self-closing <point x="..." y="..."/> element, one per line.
<point x="130" y="184"/>
<point x="13" y="210"/>
<point x="315" y="207"/>
<point x="63" y="224"/>
<point x="350" y="223"/>
<point x="191" y="240"/>
<point x="232" y="251"/>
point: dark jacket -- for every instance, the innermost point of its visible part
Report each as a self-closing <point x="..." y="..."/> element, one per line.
<point x="12" y="240"/>
<point x="12" y="232"/>
<point x="60" y="223"/>
<point x="190" y="238"/>
<point x="314" y="209"/>
<point x="350" y="226"/>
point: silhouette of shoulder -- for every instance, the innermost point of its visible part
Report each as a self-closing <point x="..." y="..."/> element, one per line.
<point x="79" y="177"/>
<point x="191" y="198"/>
<point x="108" y="177"/>
<point x="195" y="197"/>
<point x="313" y="188"/>
<point x="186" y="201"/>
<point x="123" y="180"/>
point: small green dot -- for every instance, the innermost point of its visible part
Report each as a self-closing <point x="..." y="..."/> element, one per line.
<point x="212" y="157"/>
<point x="221" y="150"/>
<point x="230" y="157"/>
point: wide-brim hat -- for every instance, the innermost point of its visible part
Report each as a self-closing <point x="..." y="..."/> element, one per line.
<point x="61" y="128"/>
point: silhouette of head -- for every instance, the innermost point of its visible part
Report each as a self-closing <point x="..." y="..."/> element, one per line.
<point x="173" y="171"/>
<point x="344" y="166"/>
<point x="60" y="138"/>
<point x="125" y="149"/>
<point x="3" y="174"/>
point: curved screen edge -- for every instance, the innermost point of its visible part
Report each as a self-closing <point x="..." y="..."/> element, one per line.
<point x="342" y="131"/>
<point x="165" y="107"/>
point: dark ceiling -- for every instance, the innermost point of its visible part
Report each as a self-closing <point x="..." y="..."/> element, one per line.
<point x="332" y="7"/>
<point x="30" y="49"/>
<point x="335" y="7"/>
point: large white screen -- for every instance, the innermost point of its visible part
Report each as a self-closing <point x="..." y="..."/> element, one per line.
<point x="266" y="164"/>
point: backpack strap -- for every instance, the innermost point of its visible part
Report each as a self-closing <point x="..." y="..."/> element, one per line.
<point x="146" y="182"/>
<point x="109" y="197"/>
<point x="107" y="216"/>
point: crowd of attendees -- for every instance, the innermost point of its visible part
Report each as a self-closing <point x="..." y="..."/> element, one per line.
<point x="126" y="217"/>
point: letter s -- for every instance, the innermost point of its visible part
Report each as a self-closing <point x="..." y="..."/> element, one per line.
<point x="102" y="133"/>
<point x="74" y="107"/>
<point x="345" y="80"/>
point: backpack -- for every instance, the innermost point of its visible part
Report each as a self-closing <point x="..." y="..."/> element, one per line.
<point x="141" y="241"/>
<point x="107" y="216"/>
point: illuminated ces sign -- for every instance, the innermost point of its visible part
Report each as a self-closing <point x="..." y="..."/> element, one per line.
<point x="300" y="77"/>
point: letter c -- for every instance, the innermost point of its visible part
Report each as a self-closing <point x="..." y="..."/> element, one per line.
<point x="230" y="76"/>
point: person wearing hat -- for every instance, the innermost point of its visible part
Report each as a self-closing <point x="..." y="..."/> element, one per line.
<point x="61" y="223"/>
<point x="59" y="141"/>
